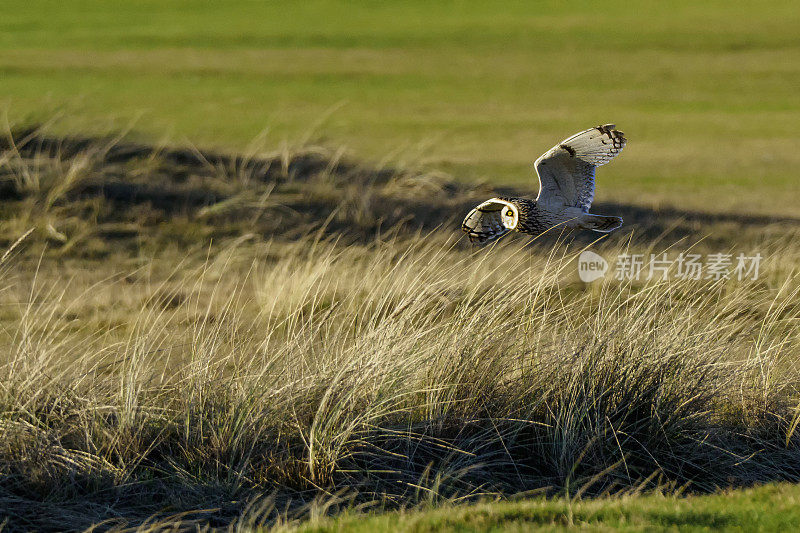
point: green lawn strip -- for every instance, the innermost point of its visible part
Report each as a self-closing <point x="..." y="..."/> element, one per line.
<point x="767" y="508"/>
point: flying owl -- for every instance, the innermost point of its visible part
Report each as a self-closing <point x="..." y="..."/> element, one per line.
<point x="566" y="191"/>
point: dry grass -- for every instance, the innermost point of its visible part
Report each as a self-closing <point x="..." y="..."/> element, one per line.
<point x="270" y="375"/>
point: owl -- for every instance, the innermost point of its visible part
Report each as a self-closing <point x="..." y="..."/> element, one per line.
<point x="566" y="191"/>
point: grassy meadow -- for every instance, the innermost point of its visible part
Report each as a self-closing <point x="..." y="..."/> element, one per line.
<point x="234" y="293"/>
<point x="706" y="91"/>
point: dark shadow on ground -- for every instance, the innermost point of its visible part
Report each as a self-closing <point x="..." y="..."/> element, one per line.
<point x="131" y="189"/>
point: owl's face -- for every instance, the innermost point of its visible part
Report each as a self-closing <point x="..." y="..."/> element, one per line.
<point x="509" y="215"/>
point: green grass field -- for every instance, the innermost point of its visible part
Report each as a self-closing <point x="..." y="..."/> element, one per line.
<point x="707" y="92"/>
<point x="234" y="292"/>
<point x="773" y="508"/>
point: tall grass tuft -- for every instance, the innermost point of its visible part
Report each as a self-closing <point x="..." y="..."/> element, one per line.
<point x="284" y="353"/>
<point x="400" y="372"/>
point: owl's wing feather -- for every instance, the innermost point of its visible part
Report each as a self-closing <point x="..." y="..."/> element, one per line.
<point x="485" y="223"/>
<point x="566" y="171"/>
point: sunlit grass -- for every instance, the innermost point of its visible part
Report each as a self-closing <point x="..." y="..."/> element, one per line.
<point x="269" y="337"/>
<point x="398" y="373"/>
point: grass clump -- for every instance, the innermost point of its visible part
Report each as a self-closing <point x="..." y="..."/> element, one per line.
<point x="401" y="373"/>
<point x="261" y="375"/>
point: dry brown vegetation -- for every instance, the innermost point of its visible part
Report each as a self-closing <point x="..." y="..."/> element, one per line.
<point x="197" y="338"/>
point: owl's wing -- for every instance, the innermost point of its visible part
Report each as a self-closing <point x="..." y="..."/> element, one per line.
<point x="485" y="223"/>
<point x="566" y="171"/>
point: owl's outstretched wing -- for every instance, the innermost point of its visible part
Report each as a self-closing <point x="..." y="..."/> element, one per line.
<point x="566" y="171"/>
<point x="486" y="222"/>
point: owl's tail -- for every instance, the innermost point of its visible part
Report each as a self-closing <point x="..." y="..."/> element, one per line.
<point x="601" y="223"/>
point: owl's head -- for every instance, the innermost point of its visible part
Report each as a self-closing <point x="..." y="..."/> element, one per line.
<point x="491" y="220"/>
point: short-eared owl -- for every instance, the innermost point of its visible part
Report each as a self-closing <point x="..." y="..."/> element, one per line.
<point x="566" y="190"/>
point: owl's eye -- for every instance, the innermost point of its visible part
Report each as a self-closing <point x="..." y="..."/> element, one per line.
<point x="509" y="213"/>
